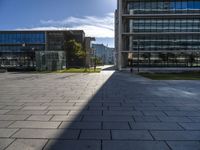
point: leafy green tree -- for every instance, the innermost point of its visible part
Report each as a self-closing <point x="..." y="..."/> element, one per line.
<point x="74" y="51"/>
<point x="97" y="60"/>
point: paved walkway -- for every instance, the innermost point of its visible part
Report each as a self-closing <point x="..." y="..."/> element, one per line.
<point x="107" y="111"/>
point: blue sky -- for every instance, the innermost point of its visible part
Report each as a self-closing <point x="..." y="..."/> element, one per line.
<point x="96" y="17"/>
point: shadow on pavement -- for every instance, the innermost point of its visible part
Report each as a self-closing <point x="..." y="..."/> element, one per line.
<point x="93" y="123"/>
<point x="106" y="120"/>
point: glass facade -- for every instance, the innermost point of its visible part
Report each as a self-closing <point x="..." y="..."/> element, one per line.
<point x="50" y="60"/>
<point x="22" y="49"/>
<point x="19" y="38"/>
<point x="17" y="48"/>
<point x="21" y="41"/>
<point x="163" y="6"/>
<point x="166" y="43"/>
<point x="162" y="31"/>
<point x="165" y="25"/>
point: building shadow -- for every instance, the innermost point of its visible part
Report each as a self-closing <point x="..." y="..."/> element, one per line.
<point x="92" y="124"/>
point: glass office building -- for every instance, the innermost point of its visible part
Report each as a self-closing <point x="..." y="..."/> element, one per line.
<point x="162" y="33"/>
<point x="17" y="49"/>
<point x="22" y="49"/>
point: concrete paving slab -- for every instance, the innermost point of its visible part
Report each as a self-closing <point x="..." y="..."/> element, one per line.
<point x="5" y="133"/>
<point x="39" y="117"/>
<point x="146" y="119"/>
<point x="110" y="110"/>
<point x="116" y="125"/>
<point x="3" y="112"/>
<point x="34" y="108"/>
<point x="131" y="135"/>
<point x="46" y="134"/>
<point x="174" y="119"/>
<point x="108" y="118"/>
<point x="195" y="119"/>
<point x="4" y="124"/>
<point x="176" y="135"/>
<point x="80" y="125"/>
<point x="155" y="126"/>
<point x="13" y="117"/>
<point x="27" y="144"/>
<point x="190" y="126"/>
<point x="73" y="118"/>
<point x="186" y="145"/>
<point x="35" y="124"/>
<point x="95" y="134"/>
<point x="73" y="145"/>
<point x="138" y="145"/>
<point x="5" y="143"/>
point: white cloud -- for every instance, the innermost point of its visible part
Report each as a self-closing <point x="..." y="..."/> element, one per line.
<point x="100" y="27"/>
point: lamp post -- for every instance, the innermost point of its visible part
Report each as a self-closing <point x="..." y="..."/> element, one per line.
<point x="95" y="63"/>
<point x="33" y="56"/>
<point x="138" y="56"/>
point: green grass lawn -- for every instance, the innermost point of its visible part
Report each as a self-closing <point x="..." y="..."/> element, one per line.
<point x="172" y="76"/>
<point x="80" y="70"/>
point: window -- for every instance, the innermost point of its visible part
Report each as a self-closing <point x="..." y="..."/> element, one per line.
<point x="190" y="5"/>
<point x="196" y="5"/>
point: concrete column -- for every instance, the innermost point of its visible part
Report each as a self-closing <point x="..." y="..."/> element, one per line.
<point x="120" y="27"/>
<point x="130" y="31"/>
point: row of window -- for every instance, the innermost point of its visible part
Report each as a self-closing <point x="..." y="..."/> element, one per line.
<point x="163" y="42"/>
<point x="166" y="29"/>
<point x="164" y="25"/>
<point x="165" y="48"/>
<point x="146" y="6"/>
<point x="164" y="20"/>
<point x="174" y="37"/>
<point x="170" y="43"/>
<point x="161" y="11"/>
<point x="21" y="49"/>
<point x="166" y="45"/>
<point x="17" y="38"/>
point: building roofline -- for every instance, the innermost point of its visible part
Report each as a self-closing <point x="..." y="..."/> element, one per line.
<point x="32" y="30"/>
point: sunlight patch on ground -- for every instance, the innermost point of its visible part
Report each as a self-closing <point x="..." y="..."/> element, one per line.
<point x="168" y="91"/>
